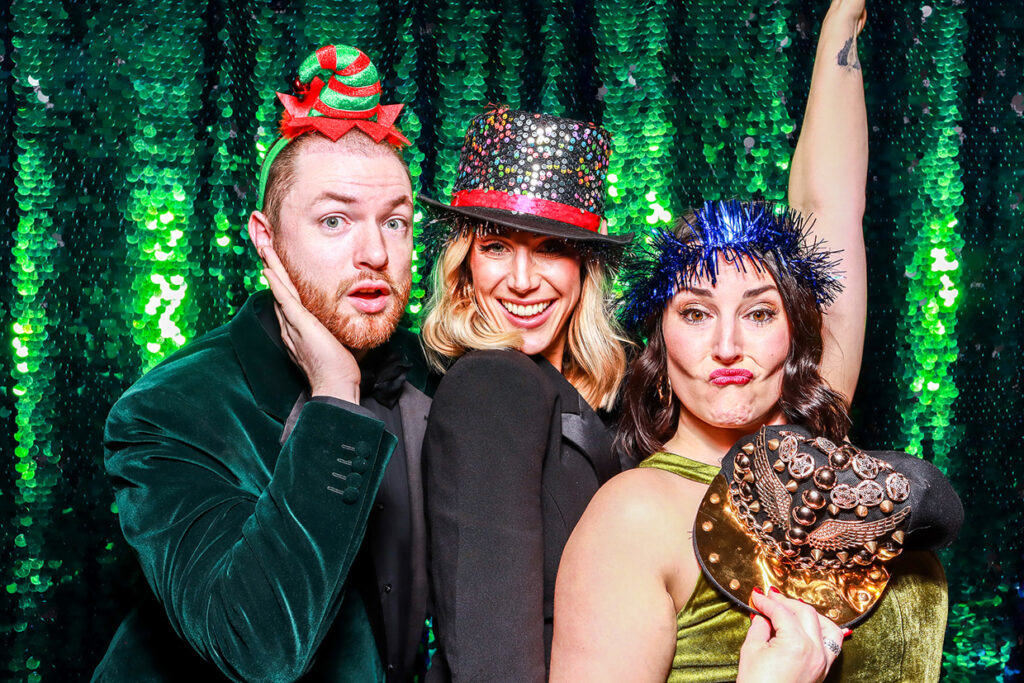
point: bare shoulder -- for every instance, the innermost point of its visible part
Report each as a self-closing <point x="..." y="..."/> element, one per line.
<point x="638" y="505"/>
<point x="614" y="613"/>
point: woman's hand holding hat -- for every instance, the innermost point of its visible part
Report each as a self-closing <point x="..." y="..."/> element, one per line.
<point x="788" y="641"/>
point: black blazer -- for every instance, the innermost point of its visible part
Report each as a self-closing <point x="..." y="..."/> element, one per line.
<point x="512" y="456"/>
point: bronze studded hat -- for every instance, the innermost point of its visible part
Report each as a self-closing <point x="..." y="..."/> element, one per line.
<point x="533" y="172"/>
<point x="818" y="521"/>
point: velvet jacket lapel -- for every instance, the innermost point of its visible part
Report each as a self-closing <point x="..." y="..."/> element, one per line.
<point x="274" y="379"/>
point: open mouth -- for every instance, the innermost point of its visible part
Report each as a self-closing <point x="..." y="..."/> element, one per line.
<point x="526" y="311"/>
<point x="370" y="291"/>
<point x="370" y="297"/>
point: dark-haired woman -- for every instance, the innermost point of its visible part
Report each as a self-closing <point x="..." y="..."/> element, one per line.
<point x="745" y="327"/>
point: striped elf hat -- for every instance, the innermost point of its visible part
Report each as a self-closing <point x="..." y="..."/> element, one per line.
<point x="337" y="90"/>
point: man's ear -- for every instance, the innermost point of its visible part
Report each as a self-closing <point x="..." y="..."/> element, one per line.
<point x="259" y="231"/>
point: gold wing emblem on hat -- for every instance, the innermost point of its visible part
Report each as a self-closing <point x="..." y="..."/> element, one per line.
<point x="837" y="534"/>
<point x="772" y="493"/>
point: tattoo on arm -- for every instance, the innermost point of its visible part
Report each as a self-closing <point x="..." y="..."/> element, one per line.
<point x="848" y="55"/>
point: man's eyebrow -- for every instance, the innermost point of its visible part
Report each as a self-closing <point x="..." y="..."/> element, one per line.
<point x="334" y="197"/>
<point x="399" y="201"/>
<point x="346" y="199"/>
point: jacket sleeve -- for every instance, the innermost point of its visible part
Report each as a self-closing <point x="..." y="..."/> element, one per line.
<point x="250" y="561"/>
<point x="484" y="452"/>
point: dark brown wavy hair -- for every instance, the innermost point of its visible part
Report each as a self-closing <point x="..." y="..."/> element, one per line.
<point x="650" y="413"/>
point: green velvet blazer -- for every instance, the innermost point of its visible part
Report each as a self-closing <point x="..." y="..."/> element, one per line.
<point x="249" y="537"/>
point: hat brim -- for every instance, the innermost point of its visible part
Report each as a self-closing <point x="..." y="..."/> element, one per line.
<point x="525" y="221"/>
<point x="736" y="563"/>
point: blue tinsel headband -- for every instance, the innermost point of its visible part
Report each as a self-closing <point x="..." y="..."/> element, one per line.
<point x="655" y="271"/>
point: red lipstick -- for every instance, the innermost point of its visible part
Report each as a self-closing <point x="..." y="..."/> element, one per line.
<point x="724" y="376"/>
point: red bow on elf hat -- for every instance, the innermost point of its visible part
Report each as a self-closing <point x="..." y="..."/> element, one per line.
<point x="337" y="90"/>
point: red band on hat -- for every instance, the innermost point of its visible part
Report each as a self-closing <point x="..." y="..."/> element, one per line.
<point x="292" y="127"/>
<point x="343" y="113"/>
<point x="327" y="56"/>
<point x="353" y="91"/>
<point x="360" y="63"/>
<point x="545" y="208"/>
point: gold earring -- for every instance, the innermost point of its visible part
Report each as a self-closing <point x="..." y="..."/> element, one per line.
<point x="665" y="391"/>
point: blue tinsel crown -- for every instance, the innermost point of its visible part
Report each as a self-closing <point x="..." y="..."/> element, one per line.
<point x="657" y="269"/>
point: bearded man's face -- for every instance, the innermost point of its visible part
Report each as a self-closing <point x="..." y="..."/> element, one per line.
<point x="345" y="238"/>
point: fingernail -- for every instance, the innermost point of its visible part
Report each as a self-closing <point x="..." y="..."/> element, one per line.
<point x="752" y="615"/>
<point x="758" y="590"/>
<point x="773" y="589"/>
<point x="847" y="633"/>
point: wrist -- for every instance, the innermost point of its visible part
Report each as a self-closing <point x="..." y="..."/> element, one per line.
<point x="340" y="389"/>
<point x="841" y="20"/>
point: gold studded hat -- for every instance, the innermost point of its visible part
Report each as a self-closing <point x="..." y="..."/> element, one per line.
<point x="818" y="521"/>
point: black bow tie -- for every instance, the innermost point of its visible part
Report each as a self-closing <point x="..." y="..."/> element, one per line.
<point x="383" y="373"/>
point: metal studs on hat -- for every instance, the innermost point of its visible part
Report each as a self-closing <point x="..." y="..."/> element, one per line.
<point x="814" y="528"/>
<point x="897" y="486"/>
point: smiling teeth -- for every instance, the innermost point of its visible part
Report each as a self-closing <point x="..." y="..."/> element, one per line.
<point x="525" y="311"/>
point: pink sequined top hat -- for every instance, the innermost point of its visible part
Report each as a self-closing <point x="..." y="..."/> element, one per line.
<point x="337" y="91"/>
<point x="533" y="172"/>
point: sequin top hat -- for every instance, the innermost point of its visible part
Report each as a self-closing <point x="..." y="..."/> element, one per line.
<point x="337" y="91"/>
<point x="533" y="172"/>
<point x="818" y="521"/>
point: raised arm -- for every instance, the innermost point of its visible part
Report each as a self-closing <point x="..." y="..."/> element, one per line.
<point x="828" y="179"/>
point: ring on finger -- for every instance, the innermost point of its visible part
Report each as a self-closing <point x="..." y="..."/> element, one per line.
<point x="832" y="646"/>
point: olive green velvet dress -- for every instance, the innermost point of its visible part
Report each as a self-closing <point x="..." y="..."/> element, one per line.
<point x="900" y="641"/>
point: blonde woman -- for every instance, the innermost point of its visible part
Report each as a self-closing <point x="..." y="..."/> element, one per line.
<point x="514" y="448"/>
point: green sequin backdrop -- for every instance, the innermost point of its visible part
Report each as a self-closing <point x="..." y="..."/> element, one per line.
<point x="130" y="147"/>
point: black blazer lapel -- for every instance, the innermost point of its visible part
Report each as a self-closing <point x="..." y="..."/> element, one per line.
<point x="581" y="426"/>
<point x="589" y="435"/>
<point x="415" y="405"/>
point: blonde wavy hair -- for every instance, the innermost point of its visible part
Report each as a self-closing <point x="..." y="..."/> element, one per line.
<point x="594" y="361"/>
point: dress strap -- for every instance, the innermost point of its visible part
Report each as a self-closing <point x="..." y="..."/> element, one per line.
<point x="684" y="467"/>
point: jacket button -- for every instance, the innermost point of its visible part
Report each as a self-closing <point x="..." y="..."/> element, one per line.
<point x="387" y="587"/>
<point x="392" y="668"/>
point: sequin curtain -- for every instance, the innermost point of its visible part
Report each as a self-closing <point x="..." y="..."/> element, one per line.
<point x="131" y="138"/>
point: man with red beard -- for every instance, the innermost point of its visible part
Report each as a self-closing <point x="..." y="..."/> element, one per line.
<point x="268" y="474"/>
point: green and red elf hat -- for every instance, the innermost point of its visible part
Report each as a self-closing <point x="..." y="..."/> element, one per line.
<point x="337" y="90"/>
